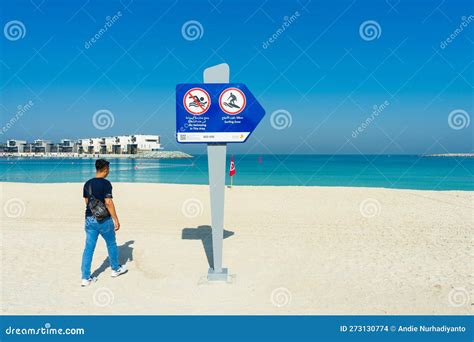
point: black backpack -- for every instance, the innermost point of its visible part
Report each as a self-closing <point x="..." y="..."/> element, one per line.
<point x="97" y="207"/>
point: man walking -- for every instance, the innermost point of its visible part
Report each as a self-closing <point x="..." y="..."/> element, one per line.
<point x="97" y="193"/>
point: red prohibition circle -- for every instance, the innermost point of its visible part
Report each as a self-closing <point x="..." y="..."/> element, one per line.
<point x="241" y="108"/>
<point x="189" y="93"/>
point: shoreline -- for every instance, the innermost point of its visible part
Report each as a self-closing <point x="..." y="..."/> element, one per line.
<point x="449" y="155"/>
<point x="227" y="186"/>
<point x="180" y="154"/>
<point x="66" y="155"/>
<point x="248" y="186"/>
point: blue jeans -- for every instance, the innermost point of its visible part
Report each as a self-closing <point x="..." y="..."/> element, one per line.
<point x="106" y="230"/>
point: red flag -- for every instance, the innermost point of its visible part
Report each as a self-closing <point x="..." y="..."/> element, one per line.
<point x="232" y="167"/>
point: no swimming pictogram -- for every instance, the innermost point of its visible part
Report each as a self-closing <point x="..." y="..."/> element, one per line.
<point x="196" y="101"/>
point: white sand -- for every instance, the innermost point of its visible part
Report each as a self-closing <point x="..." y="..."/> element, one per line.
<point x="295" y="250"/>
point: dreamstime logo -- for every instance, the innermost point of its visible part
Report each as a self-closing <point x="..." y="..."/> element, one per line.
<point x="458" y="297"/>
<point x="459" y="119"/>
<point x="184" y="127"/>
<point x="287" y="21"/>
<point x="192" y="30"/>
<point x="103" y="119"/>
<point x="281" y="119"/>
<point x="47" y="329"/>
<point x="14" y="30"/>
<point x="370" y="30"/>
<point x="14" y="208"/>
<point x="192" y="207"/>
<point x="465" y="21"/>
<point x="109" y="22"/>
<point x="103" y="297"/>
<point x="369" y="207"/>
<point x="21" y="109"/>
<point x="376" y="111"/>
<point x="280" y="297"/>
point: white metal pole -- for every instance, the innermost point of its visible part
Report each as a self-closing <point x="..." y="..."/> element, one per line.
<point x="216" y="154"/>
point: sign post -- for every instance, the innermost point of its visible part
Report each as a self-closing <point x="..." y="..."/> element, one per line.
<point x="216" y="112"/>
<point x="216" y="153"/>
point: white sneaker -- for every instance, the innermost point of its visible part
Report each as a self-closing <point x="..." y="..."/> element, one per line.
<point x="121" y="270"/>
<point x="86" y="282"/>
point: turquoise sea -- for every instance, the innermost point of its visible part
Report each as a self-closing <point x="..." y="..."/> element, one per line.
<point x="388" y="171"/>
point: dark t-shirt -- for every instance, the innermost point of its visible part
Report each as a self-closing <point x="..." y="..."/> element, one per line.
<point x="101" y="189"/>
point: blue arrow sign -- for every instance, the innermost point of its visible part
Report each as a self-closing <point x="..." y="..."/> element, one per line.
<point x="216" y="112"/>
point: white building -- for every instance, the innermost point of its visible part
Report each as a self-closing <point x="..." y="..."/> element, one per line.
<point x="89" y="145"/>
<point x="148" y="142"/>
<point x="122" y="144"/>
<point x="42" y="146"/>
<point x="131" y="144"/>
<point x="15" y="146"/>
<point x="67" y="146"/>
<point x="106" y="145"/>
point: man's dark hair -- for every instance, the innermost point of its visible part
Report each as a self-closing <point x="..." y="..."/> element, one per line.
<point x="101" y="164"/>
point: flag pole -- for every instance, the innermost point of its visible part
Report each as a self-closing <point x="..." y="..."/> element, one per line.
<point x="232" y="171"/>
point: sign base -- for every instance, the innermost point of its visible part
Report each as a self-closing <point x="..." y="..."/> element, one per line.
<point x="223" y="275"/>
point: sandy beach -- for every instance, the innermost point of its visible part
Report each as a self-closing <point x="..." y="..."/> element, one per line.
<point x="290" y="250"/>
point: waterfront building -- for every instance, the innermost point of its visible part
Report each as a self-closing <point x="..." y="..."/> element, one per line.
<point x="15" y="146"/>
<point x="67" y="146"/>
<point x="42" y="146"/>
<point x="121" y="144"/>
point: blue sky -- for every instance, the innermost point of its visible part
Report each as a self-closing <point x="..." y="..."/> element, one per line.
<point x="320" y="70"/>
